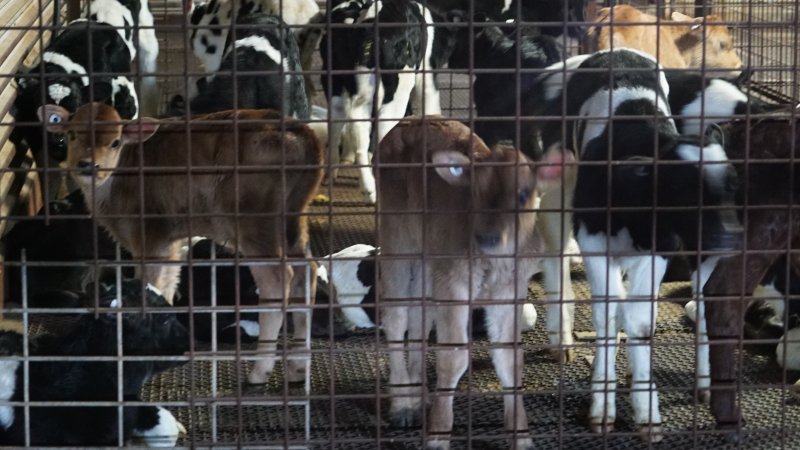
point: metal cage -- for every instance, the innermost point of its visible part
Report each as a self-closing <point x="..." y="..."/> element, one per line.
<point x="343" y="400"/>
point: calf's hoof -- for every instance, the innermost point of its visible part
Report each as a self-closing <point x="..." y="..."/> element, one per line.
<point x="257" y="376"/>
<point x="296" y="374"/>
<point x="523" y="444"/>
<point x="564" y="355"/>
<point x="652" y="433"/>
<point x="601" y="425"/>
<point x="438" y="445"/>
<point x="404" y="418"/>
<point x="371" y="197"/>
<point x="704" y="396"/>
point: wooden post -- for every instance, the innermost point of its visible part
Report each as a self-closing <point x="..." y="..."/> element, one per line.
<point x="702" y="8"/>
<point x="589" y="44"/>
<point x="73" y="10"/>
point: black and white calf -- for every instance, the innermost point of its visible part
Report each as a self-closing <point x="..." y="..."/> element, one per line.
<point x="146" y="333"/>
<point x="405" y="52"/>
<point x="630" y="240"/>
<point x="774" y="315"/>
<point x="553" y="17"/>
<point x="700" y="101"/>
<point x="268" y="72"/>
<point x="128" y="16"/>
<point x="498" y="94"/>
<point x="211" y="22"/>
<point x="66" y="66"/>
<point x="349" y="282"/>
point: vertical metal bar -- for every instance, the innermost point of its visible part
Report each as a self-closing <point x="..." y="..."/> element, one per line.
<point x="26" y="368"/>
<point x="702" y="8"/>
<point x="214" y="345"/>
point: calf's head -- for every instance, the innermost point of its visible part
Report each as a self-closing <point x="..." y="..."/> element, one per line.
<point x="708" y="44"/>
<point x="503" y="188"/>
<point x="96" y="136"/>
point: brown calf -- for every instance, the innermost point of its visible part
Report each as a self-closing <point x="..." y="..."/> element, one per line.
<point x="470" y="212"/>
<point x="770" y="178"/>
<point x="679" y="43"/>
<point x="244" y="185"/>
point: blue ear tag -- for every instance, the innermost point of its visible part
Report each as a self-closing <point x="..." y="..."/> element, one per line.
<point x="456" y="171"/>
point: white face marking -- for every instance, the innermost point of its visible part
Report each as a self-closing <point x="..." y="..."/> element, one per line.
<point x="506" y="6"/>
<point x="715" y="104"/>
<point x="58" y="92"/>
<point x="597" y="106"/>
<point x="67" y="64"/>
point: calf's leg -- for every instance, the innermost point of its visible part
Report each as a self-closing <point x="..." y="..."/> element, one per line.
<point x="298" y="363"/>
<point x="504" y="324"/>
<point x="605" y="278"/>
<point x="273" y="286"/>
<point x="396" y="283"/>
<point x="639" y="320"/>
<point x="451" y="363"/>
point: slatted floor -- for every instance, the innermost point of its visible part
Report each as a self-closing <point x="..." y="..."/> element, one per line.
<point x="349" y="404"/>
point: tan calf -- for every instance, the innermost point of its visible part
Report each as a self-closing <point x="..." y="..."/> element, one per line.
<point x="237" y="184"/>
<point x="679" y="43"/>
<point x="477" y="234"/>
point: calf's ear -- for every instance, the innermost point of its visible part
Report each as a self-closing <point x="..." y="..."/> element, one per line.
<point x="681" y="17"/>
<point x="714" y="135"/>
<point x="452" y="167"/>
<point x="139" y="130"/>
<point x="53" y="117"/>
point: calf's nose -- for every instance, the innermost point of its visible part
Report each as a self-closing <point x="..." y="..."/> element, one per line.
<point x="487" y="239"/>
<point x="85" y="165"/>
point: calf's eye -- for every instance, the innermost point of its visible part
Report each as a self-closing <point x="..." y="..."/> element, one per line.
<point x="116" y="143"/>
<point x="55" y="118"/>
<point x="524" y="196"/>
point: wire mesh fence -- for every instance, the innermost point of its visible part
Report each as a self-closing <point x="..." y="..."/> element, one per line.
<point x="363" y="224"/>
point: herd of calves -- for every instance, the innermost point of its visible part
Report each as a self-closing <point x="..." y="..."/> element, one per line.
<point x="238" y="162"/>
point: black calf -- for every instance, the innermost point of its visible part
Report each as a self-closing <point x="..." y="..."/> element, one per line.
<point x="145" y="333"/>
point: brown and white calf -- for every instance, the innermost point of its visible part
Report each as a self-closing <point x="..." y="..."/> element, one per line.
<point x="679" y="43"/>
<point x="244" y="185"/>
<point x="456" y="226"/>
